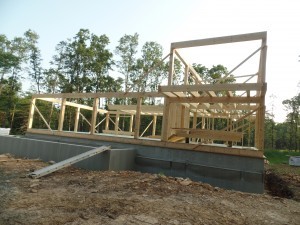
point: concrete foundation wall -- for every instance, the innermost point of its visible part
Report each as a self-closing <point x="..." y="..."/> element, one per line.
<point x="58" y="151"/>
<point x="226" y="171"/>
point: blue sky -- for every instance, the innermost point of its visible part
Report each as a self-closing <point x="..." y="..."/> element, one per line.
<point x="166" y="21"/>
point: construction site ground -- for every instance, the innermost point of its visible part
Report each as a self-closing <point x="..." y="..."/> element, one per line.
<point x="76" y="196"/>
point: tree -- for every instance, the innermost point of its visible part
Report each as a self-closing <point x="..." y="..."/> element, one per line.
<point x="150" y="71"/>
<point x="13" y="56"/>
<point x="82" y="63"/>
<point x="216" y="74"/>
<point x="34" y="57"/>
<point x="8" y="60"/>
<point x="101" y="61"/>
<point x="127" y="50"/>
<point x="293" y="107"/>
<point x="269" y="132"/>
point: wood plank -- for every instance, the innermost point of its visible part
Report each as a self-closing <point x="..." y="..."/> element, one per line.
<point x="174" y="138"/>
<point x="208" y="99"/>
<point x="144" y="108"/>
<point x="154" y="125"/>
<point x="61" y="114"/>
<point x="128" y="133"/>
<point x="219" y="40"/>
<point x="131" y="123"/>
<point x="213" y="87"/>
<point x="31" y="113"/>
<point x="166" y="122"/>
<point x="76" y="119"/>
<point x="137" y="118"/>
<point x="73" y="104"/>
<point x="210" y="134"/>
<point x="100" y="95"/>
<point x="94" y="115"/>
<point x="171" y="67"/>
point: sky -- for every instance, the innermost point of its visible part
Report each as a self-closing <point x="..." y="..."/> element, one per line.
<point x="167" y="21"/>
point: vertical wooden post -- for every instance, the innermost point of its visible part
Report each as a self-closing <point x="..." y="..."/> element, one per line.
<point x="137" y="118"/>
<point x="229" y="143"/>
<point x="76" y="119"/>
<point x="62" y="114"/>
<point x="107" y="121"/>
<point x="31" y="113"/>
<point x="203" y="122"/>
<point x="260" y="114"/>
<point x="117" y="122"/>
<point x="249" y="131"/>
<point x="94" y="115"/>
<point x="165" y="122"/>
<point x="182" y="116"/>
<point x="131" y="123"/>
<point x="154" y="125"/>
<point x="194" y="123"/>
<point x="186" y="75"/>
<point x="195" y="120"/>
<point x="171" y="67"/>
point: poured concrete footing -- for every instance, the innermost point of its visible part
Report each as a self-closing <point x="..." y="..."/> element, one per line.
<point x="240" y="173"/>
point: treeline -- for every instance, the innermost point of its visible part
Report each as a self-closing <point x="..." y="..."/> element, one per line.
<point x="284" y="135"/>
<point x="84" y="63"/>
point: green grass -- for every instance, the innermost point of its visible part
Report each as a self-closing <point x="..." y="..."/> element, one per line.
<point x="279" y="156"/>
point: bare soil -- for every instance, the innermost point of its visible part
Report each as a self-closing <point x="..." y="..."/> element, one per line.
<point x="75" y="196"/>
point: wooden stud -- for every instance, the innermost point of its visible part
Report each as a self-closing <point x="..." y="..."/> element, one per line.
<point x="94" y="115"/>
<point x="154" y="125"/>
<point x="117" y="122"/>
<point x="137" y="118"/>
<point x="31" y="113"/>
<point x="76" y="119"/>
<point x="131" y="123"/>
<point x="165" y="123"/>
<point x="171" y="67"/>
<point x="61" y="114"/>
<point x="107" y="121"/>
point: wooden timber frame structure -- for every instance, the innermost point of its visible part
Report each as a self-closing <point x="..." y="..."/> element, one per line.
<point x="188" y="111"/>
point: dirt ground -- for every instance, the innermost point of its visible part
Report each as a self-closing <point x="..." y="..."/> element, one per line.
<point x="74" y="196"/>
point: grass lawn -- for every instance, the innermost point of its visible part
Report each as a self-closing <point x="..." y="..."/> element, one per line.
<point x="279" y="161"/>
<point x="279" y="156"/>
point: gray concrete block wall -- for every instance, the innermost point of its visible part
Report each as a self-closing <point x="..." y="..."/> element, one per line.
<point x="226" y="171"/>
<point x="58" y="151"/>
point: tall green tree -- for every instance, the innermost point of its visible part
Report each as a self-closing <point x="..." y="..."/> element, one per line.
<point x="13" y="58"/>
<point x="83" y="62"/>
<point x="127" y="51"/>
<point x="150" y="71"/>
<point x="35" y="59"/>
<point x="101" y="62"/>
<point x="293" y="118"/>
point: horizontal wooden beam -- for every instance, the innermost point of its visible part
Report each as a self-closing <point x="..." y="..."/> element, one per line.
<point x="144" y="108"/>
<point x="214" y="87"/>
<point x="113" y="132"/>
<point x="208" y="99"/>
<point x="73" y="104"/>
<point x="209" y="134"/>
<point x="100" y="95"/>
<point x="229" y="107"/>
<point x="220" y="40"/>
